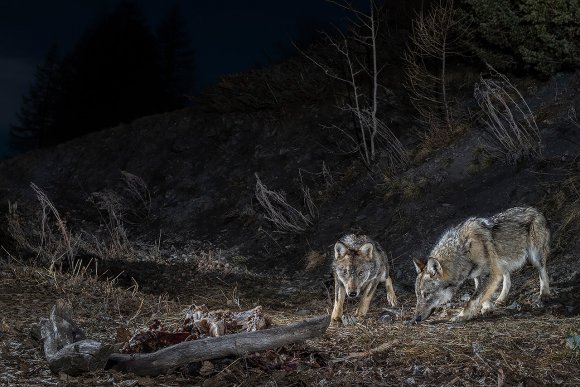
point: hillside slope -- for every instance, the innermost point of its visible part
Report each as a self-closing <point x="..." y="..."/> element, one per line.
<point x="205" y="239"/>
<point x="201" y="171"/>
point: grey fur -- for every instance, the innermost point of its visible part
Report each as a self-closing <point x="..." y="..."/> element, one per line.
<point x="359" y="265"/>
<point x="486" y="250"/>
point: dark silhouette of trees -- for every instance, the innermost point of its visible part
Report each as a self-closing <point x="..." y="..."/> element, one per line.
<point x="116" y="73"/>
<point x="111" y="76"/>
<point x="37" y="115"/>
<point x="177" y="58"/>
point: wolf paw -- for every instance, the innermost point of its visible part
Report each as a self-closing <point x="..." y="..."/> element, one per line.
<point x="487" y="307"/>
<point x="461" y="317"/>
<point x="545" y="297"/>
<point x="348" y="319"/>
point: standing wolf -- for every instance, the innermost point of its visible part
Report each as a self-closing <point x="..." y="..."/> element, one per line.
<point x="359" y="265"/>
<point x="485" y="249"/>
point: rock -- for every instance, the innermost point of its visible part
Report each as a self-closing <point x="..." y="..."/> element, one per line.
<point x="390" y="314"/>
<point x="465" y="297"/>
<point x="573" y="342"/>
<point x="348" y="320"/>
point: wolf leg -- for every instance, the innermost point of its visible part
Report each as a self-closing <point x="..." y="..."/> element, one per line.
<point x="507" y="283"/>
<point x="493" y="280"/>
<point x="391" y="296"/>
<point x="473" y="305"/>
<point x="544" y="284"/>
<point x="475" y="288"/>
<point x="487" y="292"/>
<point x="538" y="252"/>
<point x="367" y="297"/>
<point x="480" y="301"/>
<point x="538" y="260"/>
<point x="339" y="296"/>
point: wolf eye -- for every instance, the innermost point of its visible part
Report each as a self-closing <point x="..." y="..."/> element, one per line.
<point x="345" y="272"/>
<point x="361" y="274"/>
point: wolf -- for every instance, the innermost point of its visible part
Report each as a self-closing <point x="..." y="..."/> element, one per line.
<point x="486" y="250"/>
<point x="359" y="265"/>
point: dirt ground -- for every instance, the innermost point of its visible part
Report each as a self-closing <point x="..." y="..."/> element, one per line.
<point x="520" y="344"/>
<point x="201" y="172"/>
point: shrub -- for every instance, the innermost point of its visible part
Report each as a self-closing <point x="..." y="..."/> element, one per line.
<point x="284" y="217"/>
<point x="540" y="35"/>
<point x="511" y="126"/>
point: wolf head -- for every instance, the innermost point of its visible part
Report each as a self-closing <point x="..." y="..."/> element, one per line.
<point x="354" y="268"/>
<point x="430" y="288"/>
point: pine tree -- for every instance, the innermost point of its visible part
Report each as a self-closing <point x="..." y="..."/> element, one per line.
<point x="37" y="118"/>
<point x="116" y="73"/>
<point x="177" y="58"/>
<point x="112" y="76"/>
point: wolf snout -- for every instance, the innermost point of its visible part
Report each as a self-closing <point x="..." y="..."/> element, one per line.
<point x="353" y="294"/>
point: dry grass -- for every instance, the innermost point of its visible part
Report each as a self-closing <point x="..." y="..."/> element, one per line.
<point x="111" y="210"/>
<point x="478" y="353"/>
<point x="45" y="234"/>
<point x="213" y="260"/>
<point x="138" y="192"/>
<point x="408" y="188"/>
<point x="573" y="116"/>
<point x="327" y="175"/>
<point x="437" y="138"/>
<point x="514" y="134"/>
<point x="28" y="292"/>
<point x="283" y="216"/>
<point x="525" y="346"/>
<point x="313" y="260"/>
<point x="481" y="160"/>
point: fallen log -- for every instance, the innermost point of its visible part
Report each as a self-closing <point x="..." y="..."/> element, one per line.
<point x="67" y="350"/>
<point x="168" y="359"/>
<point x="65" y="346"/>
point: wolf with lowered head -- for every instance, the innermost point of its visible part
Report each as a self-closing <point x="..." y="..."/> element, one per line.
<point x="359" y="265"/>
<point x="486" y="250"/>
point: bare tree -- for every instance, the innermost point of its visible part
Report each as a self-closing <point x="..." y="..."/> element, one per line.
<point x="371" y="134"/>
<point x="435" y="36"/>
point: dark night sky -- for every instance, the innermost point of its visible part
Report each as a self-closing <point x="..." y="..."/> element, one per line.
<point x="228" y="35"/>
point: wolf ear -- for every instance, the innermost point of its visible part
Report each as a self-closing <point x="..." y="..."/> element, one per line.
<point x="366" y="250"/>
<point x="339" y="250"/>
<point x="433" y="267"/>
<point x="419" y="265"/>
